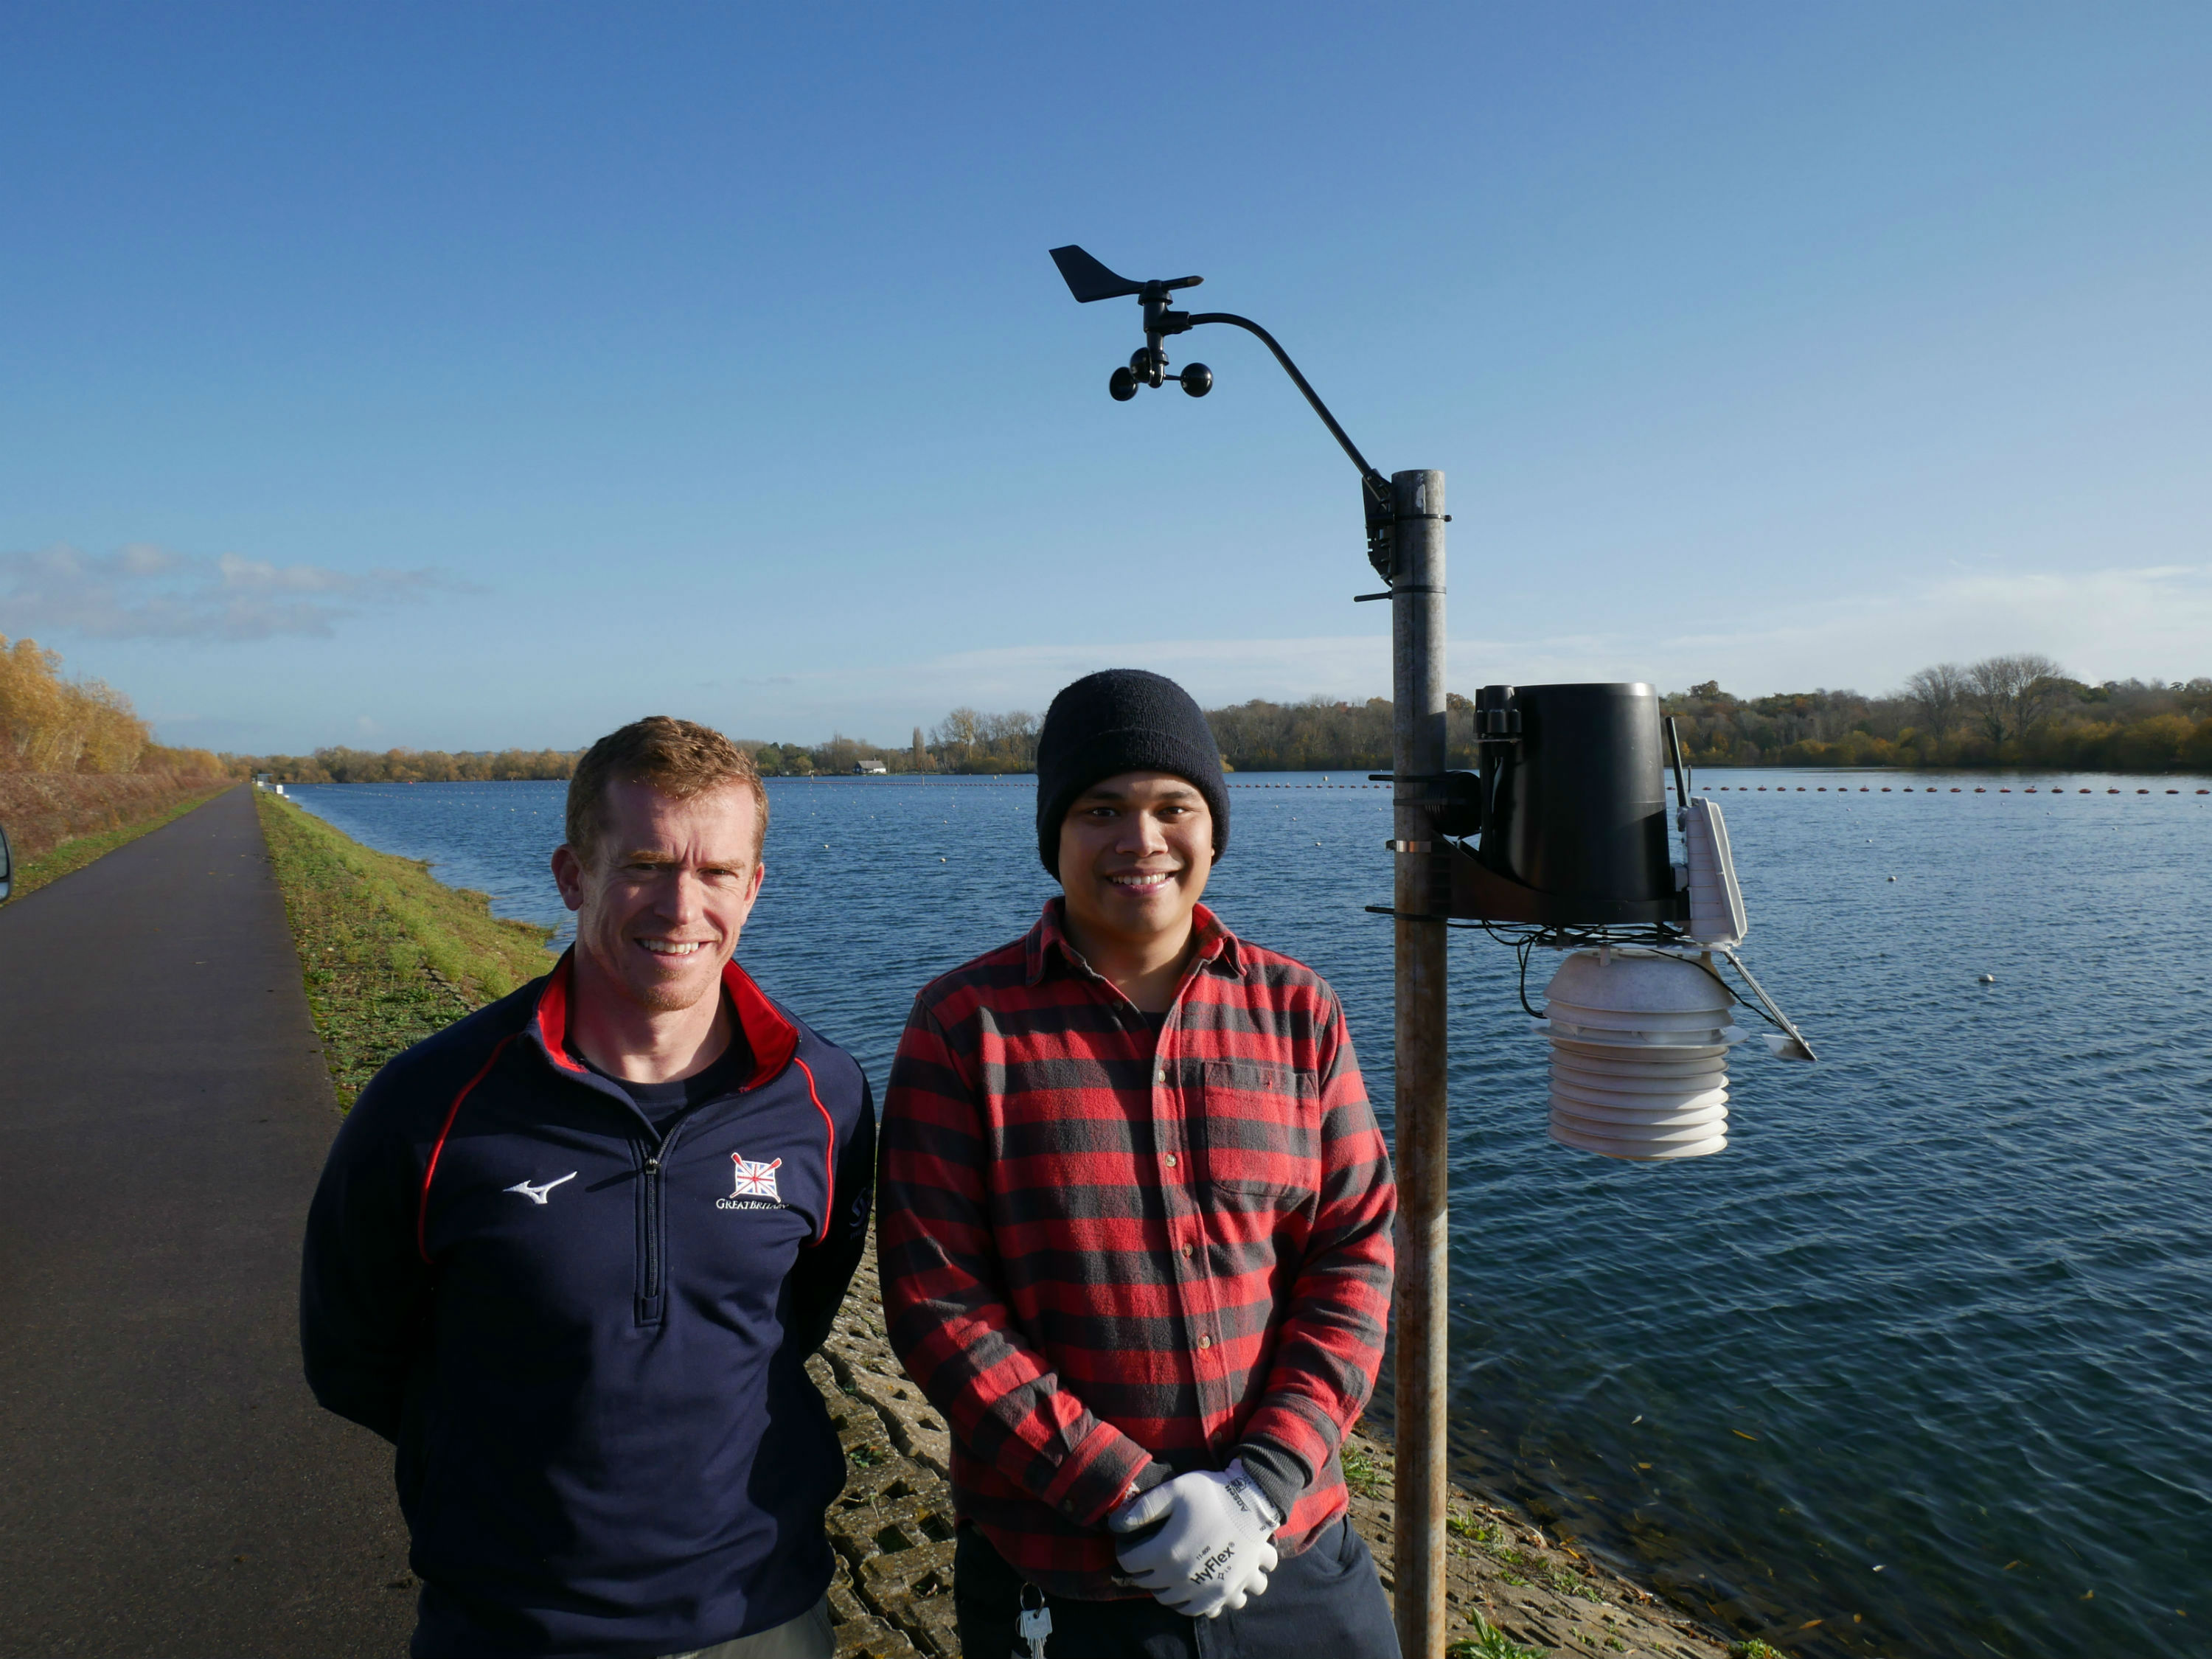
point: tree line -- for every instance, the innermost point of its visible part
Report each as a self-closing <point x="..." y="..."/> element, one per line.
<point x="51" y="724"/>
<point x="2017" y="709"/>
<point x="1321" y="735"/>
<point x="344" y="765"/>
<point x="2021" y="709"/>
<point x="967" y="741"/>
<point x="1315" y="735"/>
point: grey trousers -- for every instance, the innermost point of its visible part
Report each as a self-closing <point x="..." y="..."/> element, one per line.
<point x="806" y="1637"/>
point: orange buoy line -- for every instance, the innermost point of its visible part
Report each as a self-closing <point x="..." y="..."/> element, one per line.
<point x="1765" y="788"/>
<point x="1925" y="789"/>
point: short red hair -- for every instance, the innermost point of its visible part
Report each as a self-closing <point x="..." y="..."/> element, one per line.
<point x="679" y="758"/>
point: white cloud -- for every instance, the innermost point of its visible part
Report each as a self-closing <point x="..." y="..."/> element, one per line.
<point x="1213" y="670"/>
<point x="2152" y="622"/>
<point x="147" y="592"/>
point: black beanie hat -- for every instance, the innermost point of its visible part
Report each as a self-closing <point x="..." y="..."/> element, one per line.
<point x="1122" y="719"/>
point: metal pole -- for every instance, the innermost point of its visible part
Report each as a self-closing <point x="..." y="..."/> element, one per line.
<point x="1421" y="1305"/>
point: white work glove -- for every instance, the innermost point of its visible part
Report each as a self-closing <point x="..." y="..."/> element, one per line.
<point x="1212" y="1552"/>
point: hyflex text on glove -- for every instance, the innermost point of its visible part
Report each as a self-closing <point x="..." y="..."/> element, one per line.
<point x="1212" y="1552"/>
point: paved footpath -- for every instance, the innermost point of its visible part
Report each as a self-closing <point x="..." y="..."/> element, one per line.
<point x="168" y="1485"/>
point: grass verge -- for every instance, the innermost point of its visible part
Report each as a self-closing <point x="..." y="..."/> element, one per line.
<point x="73" y="854"/>
<point x="1489" y="1642"/>
<point x="388" y="953"/>
<point x="1359" y="1471"/>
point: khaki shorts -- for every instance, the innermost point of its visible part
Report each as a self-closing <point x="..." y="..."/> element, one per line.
<point x="806" y="1637"/>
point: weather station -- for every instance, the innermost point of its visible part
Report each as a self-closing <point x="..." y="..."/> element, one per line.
<point x="1557" y="840"/>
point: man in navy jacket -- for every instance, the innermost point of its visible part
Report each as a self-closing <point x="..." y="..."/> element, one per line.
<point x="570" y="1254"/>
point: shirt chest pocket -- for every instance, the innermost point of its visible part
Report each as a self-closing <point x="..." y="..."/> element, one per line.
<point x="1258" y="1129"/>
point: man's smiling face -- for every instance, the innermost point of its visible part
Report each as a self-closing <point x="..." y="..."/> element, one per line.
<point x="1135" y="850"/>
<point x="663" y="896"/>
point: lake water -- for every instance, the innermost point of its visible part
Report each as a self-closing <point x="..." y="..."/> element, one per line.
<point x="1925" y="1356"/>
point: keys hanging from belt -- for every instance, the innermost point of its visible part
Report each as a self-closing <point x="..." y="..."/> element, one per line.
<point x="1034" y="1625"/>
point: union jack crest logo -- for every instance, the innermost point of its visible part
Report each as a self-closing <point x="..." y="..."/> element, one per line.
<point x="756" y="1180"/>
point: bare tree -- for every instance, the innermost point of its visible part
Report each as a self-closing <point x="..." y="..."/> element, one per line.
<point x="1936" y="691"/>
<point x="2013" y="691"/>
<point x="962" y="729"/>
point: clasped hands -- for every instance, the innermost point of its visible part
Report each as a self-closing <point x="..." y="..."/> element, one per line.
<point x="1211" y="1554"/>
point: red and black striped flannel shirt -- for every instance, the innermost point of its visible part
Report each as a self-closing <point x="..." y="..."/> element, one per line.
<point x="1103" y="1249"/>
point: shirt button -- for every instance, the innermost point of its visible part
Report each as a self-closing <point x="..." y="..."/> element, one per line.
<point x="1186" y="1252"/>
<point x="1159" y="1074"/>
<point x="1205" y="1342"/>
<point x="1172" y="1160"/>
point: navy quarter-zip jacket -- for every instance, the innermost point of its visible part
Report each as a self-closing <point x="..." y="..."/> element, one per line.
<point x="586" y="1338"/>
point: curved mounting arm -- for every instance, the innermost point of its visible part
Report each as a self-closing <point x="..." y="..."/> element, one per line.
<point x="1377" y="485"/>
<point x="1375" y="489"/>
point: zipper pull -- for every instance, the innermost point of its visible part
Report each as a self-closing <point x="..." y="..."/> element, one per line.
<point x="653" y="1164"/>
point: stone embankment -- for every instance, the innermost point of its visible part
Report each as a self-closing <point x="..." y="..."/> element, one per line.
<point x="893" y="1530"/>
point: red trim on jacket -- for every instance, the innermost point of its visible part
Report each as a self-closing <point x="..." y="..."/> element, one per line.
<point x="430" y="1168"/>
<point x="773" y="1039"/>
<point x="552" y="1017"/>
<point x="830" y="1152"/>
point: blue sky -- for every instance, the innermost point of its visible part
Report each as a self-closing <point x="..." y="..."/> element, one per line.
<point x="476" y="375"/>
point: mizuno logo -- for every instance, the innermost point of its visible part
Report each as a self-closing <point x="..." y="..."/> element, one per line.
<point x="537" y="1195"/>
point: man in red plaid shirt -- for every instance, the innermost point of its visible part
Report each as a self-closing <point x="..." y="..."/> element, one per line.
<point x="1135" y="1235"/>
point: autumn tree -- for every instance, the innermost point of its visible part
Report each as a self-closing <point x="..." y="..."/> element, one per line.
<point x="50" y="724"/>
